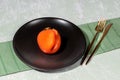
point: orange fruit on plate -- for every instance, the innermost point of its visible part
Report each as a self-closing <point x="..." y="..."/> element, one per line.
<point x="49" y="40"/>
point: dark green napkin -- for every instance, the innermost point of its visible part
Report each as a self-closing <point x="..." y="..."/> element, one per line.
<point x="10" y="63"/>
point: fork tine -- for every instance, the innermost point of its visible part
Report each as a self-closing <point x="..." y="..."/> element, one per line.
<point x="101" y="25"/>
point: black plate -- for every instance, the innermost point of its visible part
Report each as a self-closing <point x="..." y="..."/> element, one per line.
<point x="72" y="48"/>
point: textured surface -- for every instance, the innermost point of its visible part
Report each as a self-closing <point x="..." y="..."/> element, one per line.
<point x="14" y="13"/>
<point x="106" y="68"/>
<point x="13" y="64"/>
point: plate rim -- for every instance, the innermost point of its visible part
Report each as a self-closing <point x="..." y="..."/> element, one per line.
<point x="50" y="70"/>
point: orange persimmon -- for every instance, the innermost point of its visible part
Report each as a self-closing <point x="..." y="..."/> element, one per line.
<point x="49" y="40"/>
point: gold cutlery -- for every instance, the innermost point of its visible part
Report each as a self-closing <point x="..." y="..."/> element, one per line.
<point x="103" y="36"/>
<point x="99" y="28"/>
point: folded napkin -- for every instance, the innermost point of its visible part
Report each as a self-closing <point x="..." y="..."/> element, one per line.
<point x="10" y="63"/>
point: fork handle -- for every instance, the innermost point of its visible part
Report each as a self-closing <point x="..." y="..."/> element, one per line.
<point x="88" y="49"/>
